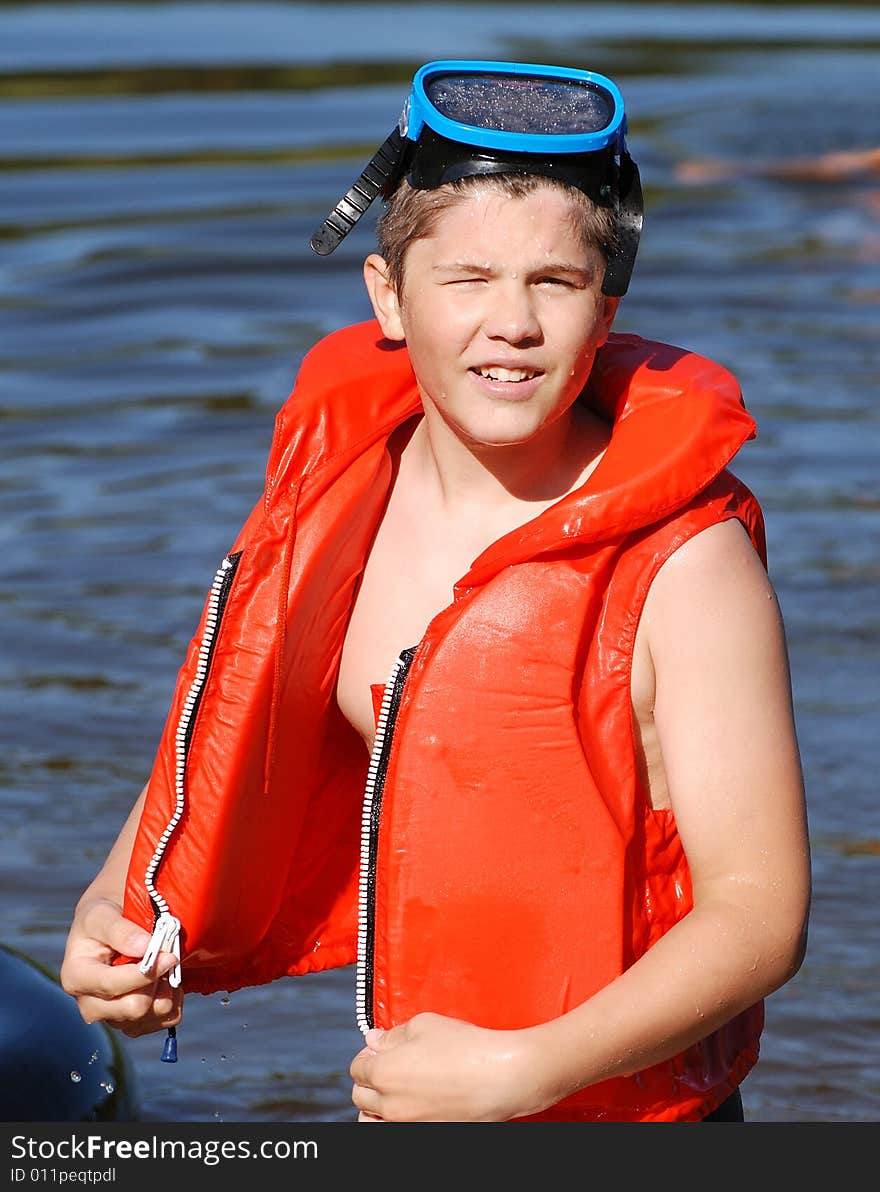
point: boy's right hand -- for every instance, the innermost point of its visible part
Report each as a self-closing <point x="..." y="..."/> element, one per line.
<point x="118" y="994"/>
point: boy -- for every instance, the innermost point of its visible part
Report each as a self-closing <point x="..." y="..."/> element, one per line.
<point x="565" y="842"/>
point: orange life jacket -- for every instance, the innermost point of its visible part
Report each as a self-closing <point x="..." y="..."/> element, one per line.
<point x="497" y="859"/>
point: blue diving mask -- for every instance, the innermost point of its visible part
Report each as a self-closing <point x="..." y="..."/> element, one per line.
<point x="467" y="118"/>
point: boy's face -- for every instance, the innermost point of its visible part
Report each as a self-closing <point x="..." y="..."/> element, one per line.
<point x="502" y="313"/>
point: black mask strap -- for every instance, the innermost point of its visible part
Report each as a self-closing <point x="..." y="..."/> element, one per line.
<point x="629" y="229"/>
<point x="381" y="175"/>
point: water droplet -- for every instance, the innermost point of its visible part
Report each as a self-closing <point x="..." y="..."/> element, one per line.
<point x="224" y="1001"/>
<point x="222" y="1058"/>
<point x="244" y="1026"/>
<point x="107" y="1085"/>
<point x="217" y="1115"/>
<point x="204" y="1061"/>
<point x="93" y="1057"/>
<point x="75" y="1077"/>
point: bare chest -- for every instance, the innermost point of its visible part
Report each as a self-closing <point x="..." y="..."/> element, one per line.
<point x="407" y="581"/>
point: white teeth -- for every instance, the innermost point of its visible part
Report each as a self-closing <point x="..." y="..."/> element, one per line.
<point x="495" y="373"/>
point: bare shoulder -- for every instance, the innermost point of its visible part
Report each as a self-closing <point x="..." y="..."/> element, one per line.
<point x="714" y="635"/>
<point x="714" y="585"/>
<point x="721" y="550"/>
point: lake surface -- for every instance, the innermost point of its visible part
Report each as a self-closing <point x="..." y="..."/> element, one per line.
<point x="161" y="170"/>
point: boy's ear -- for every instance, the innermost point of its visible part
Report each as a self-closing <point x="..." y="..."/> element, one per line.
<point x="383" y="297"/>
<point x="607" y="319"/>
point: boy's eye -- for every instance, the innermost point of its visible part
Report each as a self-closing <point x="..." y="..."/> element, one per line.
<point x="554" y="281"/>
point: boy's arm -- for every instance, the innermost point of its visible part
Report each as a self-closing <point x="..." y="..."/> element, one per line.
<point x="724" y="721"/>
<point x="120" y="995"/>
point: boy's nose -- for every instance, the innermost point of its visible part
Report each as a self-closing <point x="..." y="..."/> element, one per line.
<point x="512" y="315"/>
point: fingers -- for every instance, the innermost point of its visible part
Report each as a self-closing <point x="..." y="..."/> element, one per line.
<point x="103" y="921"/>
<point x="367" y="1101"/>
<point x="363" y="1064"/>
<point x="362" y="1067"/>
<point x="94" y="977"/>
<point x="136" y="1014"/>
<point x="148" y="1005"/>
<point x="167" y="1010"/>
<point x="358" y="1069"/>
<point x="364" y="1095"/>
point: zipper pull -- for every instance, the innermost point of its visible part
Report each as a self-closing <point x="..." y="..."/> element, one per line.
<point x="169" y="1051"/>
<point x="165" y="938"/>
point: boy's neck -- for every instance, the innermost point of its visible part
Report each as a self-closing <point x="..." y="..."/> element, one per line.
<point x="466" y="475"/>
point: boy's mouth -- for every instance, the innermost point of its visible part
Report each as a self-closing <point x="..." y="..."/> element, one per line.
<point x="494" y="372"/>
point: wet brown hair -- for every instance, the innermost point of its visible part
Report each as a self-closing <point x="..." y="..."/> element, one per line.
<point x="412" y="214"/>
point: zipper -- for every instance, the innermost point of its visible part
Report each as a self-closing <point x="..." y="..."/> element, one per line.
<point x="370" y="817"/>
<point x="166" y="927"/>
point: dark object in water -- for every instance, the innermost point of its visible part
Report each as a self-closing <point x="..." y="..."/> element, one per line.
<point x="53" y="1066"/>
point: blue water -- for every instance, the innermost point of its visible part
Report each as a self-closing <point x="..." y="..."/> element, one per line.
<point x="161" y="170"/>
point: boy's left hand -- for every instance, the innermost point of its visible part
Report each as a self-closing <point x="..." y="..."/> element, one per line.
<point x="437" y="1069"/>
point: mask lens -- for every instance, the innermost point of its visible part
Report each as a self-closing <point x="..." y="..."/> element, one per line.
<point x="521" y="103"/>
